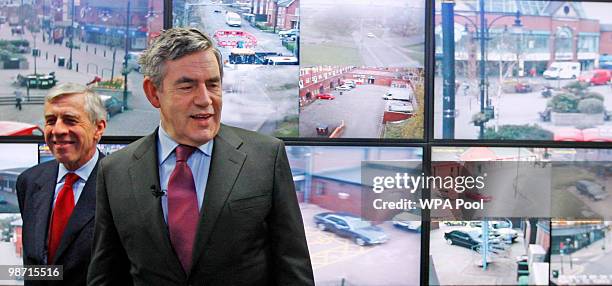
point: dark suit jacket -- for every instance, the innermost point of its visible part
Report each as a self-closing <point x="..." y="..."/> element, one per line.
<point x="35" y="189"/>
<point x="250" y="230"/>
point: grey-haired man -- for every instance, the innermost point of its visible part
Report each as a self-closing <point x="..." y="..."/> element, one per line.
<point x="57" y="199"/>
<point x="196" y="202"/>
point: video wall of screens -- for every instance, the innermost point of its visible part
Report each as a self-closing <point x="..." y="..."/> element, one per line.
<point x="45" y="43"/>
<point x="522" y="70"/>
<point x="354" y="70"/>
<point x="318" y="69"/>
<point x="345" y="249"/>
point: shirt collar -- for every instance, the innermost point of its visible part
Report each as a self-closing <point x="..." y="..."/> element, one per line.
<point x="167" y="145"/>
<point x="83" y="172"/>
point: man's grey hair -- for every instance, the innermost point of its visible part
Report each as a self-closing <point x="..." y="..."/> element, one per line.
<point x="93" y="103"/>
<point x="174" y="44"/>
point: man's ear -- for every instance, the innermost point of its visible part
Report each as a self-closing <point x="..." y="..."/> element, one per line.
<point x="100" y="127"/>
<point x="151" y="91"/>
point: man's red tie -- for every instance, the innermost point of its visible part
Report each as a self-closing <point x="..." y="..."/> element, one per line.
<point x="64" y="204"/>
<point x="183" y="211"/>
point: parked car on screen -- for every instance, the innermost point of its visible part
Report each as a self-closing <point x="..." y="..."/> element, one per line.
<point x="12" y="128"/>
<point x="455" y="223"/>
<point x="407" y="221"/>
<point x="325" y="96"/>
<point x="132" y="63"/>
<point x="501" y="229"/>
<point x="471" y="238"/>
<point x="462" y="238"/>
<point x="596" y="77"/>
<point x="291" y="34"/>
<point x="400" y="107"/>
<point x="73" y="45"/>
<point x="17" y="30"/>
<point x="591" y="189"/>
<point x="343" y="88"/>
<point x="523" y="87"/>
<point x="112" y="105"/>
<point x="233" y="19"/>
<point x="352" y="227"/>
<point x="350" y="84"/>
<point x="562" y="70"/>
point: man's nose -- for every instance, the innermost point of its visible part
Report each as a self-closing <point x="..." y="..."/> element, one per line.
<point x="59" y="128"/>
<point x="202" y="97"/>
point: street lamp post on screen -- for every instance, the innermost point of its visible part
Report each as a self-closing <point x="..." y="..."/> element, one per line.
<point x="569" y="252"/>
<point x="35" y="54"/>
<point x="448" y="70"/>
<point x="482" y="35"/>
<point x="605" y="232"/>
<point x="126" y="56"/>
<point x="71" y="35"/>
<point x="151" y="15"/>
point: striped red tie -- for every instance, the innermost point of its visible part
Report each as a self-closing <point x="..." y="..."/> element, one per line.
<point x="183" y="211"/>
<point x="64" y="204"/>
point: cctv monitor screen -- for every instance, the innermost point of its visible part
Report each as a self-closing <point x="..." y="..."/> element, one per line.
<point x="259" y="58"/>
<point x="579" y="254"/>
<point x="90" y="42"/>
<point x="11" y="244"/>
<point x="14" y="159"/>
<point x="499" y="251"/>
<point x="345" y="248"/>
<point x="522" y="70"/>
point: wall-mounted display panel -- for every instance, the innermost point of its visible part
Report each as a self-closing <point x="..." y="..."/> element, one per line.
<point x="580" y="252"/>
<point x="501" y="251"/>
<point x="522" y="70"/>
<point x="90" y="42"/>
<point x="379" y="34"/>
<point x="260" y="59"/>
<point x="362" y="102"/>
<point x="345" y="249"/>
<point x="14" y="159"/>
<point x="11" y="249"/>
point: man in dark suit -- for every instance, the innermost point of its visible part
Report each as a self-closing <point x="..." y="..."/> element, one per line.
<point x="196" y="202"/>
<point x="57" y="198"/>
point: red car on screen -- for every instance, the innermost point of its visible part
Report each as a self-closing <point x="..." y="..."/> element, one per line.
<point x="325" y="96"/>
<point x="596" y="77"/>
<point x="12" y="128"/>
<point x="523" y="87"/>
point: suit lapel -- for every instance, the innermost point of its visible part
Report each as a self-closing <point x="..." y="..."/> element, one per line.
<point x="83" y="212"/>
<point x="42" y="200"/>
<point x="225" y="166"/>
<point x="144" y="174"/>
